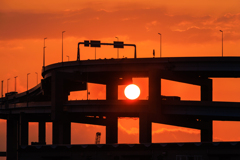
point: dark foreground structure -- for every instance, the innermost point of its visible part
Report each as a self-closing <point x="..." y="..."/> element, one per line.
<point x="48" y="102"/>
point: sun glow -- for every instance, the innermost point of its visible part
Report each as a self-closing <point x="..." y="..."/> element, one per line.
<point x="132" y="91"/>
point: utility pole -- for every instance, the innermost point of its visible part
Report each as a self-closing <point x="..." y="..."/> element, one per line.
<point x="62" y="45"/>
<point x="7" y="84"/>
<point x="2" y="94"/>
<point x="160" y="44"/>
<point x="27" y="81"/>
<point x="222" y="42"/>
<point x="2" y="88"/>
<point x="37" y="77"/>
<point x="15" y="84"/>
<point x="44" y="52"/>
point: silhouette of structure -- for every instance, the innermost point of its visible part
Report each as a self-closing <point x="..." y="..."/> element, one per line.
<point x="98" y="136"/>
<point x="48" y="102"/>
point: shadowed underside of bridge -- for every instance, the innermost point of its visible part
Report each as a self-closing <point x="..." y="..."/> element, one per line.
<point x="48" y="101"/>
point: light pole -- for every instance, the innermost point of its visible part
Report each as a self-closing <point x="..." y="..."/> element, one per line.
<point x="222" y="42"/>
<point x="27" y="81"/>
<point x="68" y="57"/>
<point x="37" y="77"/>
<point x="2" y="88"/>
<point x="44" y="52"/>
<point x="160" y="44"/>
<point x="2" y="95"/>
<point x="62" y="45"/>
<point x="7" y="84"/>
<point x="117" y="48"/>
<point x="15" y="84"/>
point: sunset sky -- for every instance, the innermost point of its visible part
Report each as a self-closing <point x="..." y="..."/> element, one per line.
<point x="188" y="28"/>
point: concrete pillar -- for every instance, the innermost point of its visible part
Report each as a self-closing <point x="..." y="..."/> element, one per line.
<point x="145" y="122"/>
<point x="112" y="129"/>
<point x="112" y="90"/>
<point x="206" y="91"/>
<point x="61" y="132"/>
<point x="42" y="132"/>
<point x="23" y="129"/>
<point x="206" y="131"/>
<point x="61" y="124"/>
<point x="206" y="95"/>
<point x="145" y="128"/>
<point x="154" y="86"/>
<point x="12" y="138"/>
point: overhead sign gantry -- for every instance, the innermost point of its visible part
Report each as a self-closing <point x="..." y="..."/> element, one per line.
<point x="94" y="43"/>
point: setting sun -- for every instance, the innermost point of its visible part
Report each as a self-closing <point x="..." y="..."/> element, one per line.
<point x="132" y="91"/>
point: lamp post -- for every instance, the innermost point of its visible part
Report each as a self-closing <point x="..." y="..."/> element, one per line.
<point x="2" y="88"/>
<point x="117" y="48"/>
<point x="27" y="81"/>
<point x="62" y="45"/>
<point x="7" y="84"/>
<point x="37" y="77"/>
<point x="222" y="42"/>
<point x="15" y="84"/>
<point x="160" y="44"/>
<point x="44" y="52"/>
<point x="68" y="57"/>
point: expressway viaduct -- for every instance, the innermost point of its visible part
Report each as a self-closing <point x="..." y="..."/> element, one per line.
<point x="48" y="101"/>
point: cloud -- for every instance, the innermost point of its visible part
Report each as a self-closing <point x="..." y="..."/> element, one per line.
<point x="131" y="131"/>
<point x="138" y="24"/>
<point x="176" y="129"/>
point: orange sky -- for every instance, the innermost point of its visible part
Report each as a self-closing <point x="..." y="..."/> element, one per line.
<point x="188" y="28"/>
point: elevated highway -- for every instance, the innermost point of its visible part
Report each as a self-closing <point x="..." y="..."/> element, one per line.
<point x="48" y="101"/>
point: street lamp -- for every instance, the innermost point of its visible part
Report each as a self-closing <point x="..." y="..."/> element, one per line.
<point x="7" y="84"/>
<point x="44" y="52"/>
<point x="117" y="48"/>
<point x="68" y="57"/>
<point x="27" y="81"/>
<point x="2" y="88"/>
<point x="62" y="45"/>
<point x="15" y="84"/>
<point x="222" y="42"/>
<point x="37" y="77"/>
<point x="160" y="44"/>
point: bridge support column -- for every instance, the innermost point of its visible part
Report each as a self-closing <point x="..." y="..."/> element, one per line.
<point x="42" y="132"/>
<point x="145" y="128"/>
<point x="206" y="95"/>
<point x="145" y="122"/>
<point x="62" y="132"/>
<point x="12" y="138"/>
<point x="112" y="129"/>
<point x="23" y="129"/>
<point x="206" y="91"/>
<point x="206" y="132"/>
<point x="61" y="124"/>
<point x="112" y="90"/>
<point x="154" y="88"/>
